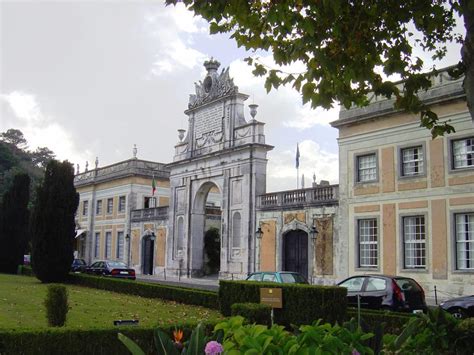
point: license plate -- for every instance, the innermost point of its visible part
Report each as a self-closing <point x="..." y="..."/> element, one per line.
<point x="417" y="311"/>
<point x="124" y="272"/>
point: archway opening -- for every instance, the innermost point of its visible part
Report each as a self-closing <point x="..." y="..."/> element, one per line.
<point x="206" y="231"/>
<point x="295" y="252"/>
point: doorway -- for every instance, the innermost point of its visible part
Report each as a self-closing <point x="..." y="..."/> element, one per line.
<point x="148" y="254"/>
<point x="295" y="252"/>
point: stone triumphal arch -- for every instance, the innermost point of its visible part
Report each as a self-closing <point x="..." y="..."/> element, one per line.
<point x="224" y="152"/>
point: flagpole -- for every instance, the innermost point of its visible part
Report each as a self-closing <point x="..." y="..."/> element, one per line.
<point x="297" y="178"/>
<point x="297" y="165"/>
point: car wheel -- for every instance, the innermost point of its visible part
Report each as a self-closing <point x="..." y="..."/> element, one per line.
<point x="457" y="312"/>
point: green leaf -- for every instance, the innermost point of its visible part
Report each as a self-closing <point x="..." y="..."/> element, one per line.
<point x="130" y="344"/>
<point x="197" y="343"/>
<point x="163" y="344"/>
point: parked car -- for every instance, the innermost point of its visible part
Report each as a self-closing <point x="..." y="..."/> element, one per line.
<point x="385" y="292"/>
<point x="278" y="276"/>
<point x="111" y="269"/>
<point x="460" y="307"/>
<point x="78" y="265"/>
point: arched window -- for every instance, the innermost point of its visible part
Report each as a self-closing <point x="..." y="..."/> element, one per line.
<point x="180" y="236"/>
<point x="236" y="230"/>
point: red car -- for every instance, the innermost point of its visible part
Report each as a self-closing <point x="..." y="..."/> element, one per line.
<point x="112" y="269"/>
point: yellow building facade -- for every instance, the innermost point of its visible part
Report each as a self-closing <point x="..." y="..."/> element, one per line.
<point x="407" y="200"/>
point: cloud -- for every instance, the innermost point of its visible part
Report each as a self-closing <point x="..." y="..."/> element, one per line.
<point x="299" y="116"/>
<point x="24" y="106"/>
<point x="307" y="117"/>
<point x="39" y="129"/>
<point x="173" y="30"/>
<point x="281" y="173"/>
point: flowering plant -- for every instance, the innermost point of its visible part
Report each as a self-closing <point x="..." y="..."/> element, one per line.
<point x="213" y="348"/>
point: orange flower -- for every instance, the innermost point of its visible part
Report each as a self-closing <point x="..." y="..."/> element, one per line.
<point x="178" y="336"/>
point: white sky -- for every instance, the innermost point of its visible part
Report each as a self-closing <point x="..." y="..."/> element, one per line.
<point x="92" y="78"/>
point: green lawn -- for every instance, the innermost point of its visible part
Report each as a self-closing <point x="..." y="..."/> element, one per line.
<point x="21" y="306"/>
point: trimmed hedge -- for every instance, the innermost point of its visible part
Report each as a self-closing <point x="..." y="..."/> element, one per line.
<point x="85" y="341"/>
<point x="302" y="304"/>
<point x="253" y="312"/>
<point x="371" y="319"/>
<point x="185" y="295"/>
<point x="25" y="270"/>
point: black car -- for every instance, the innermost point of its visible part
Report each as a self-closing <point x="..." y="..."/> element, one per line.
<point x="112" y="269"/>
<point x="460" y="307"/>
<point x="78" y="265"/>
<point x="278" y="276"/>
<point x="384" y="292"/>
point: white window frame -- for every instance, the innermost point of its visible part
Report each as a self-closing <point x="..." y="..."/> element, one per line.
<point x="465" y="154"/>
<point x="97" y="245"/>
<point x="120" y="245"/>
<point x="372" y="176"/>
<point x="108" y="245"/>
<point x="110" y="205"/>
<point x="98" y="207"/>
<point x="368" y="245"/>
<point x="467" y="241"/>
<point x="418" y="164"/>
<point x="85" y="207"/>
<point x="121" y="203"/>
<point x="414" y="242"/>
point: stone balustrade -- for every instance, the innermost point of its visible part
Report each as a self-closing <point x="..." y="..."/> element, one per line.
<point x="126" y="168"/>
<point x="149" y="214"/>
<point x="302" y="197"/>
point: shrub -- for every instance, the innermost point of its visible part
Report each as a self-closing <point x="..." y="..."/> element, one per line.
<point x="465" y="338"/>
<point x="52" y="223"/>
<point x="318" y="338"/>
<point x="85" y="341"/>
<point x="56" y="305"/>
<point x="433" y="333"/>
<point x="14" y="217"/>
<point x="185" y="295"/>
<point x="26" y="270"/>
<point x="302" y="304"/>
<point x="391" y="322"/>
<point x="253" y="312"/>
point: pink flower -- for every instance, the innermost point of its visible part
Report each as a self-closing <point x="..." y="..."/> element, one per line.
<point x="213" y="348"/>
<point x="355" y="352"/>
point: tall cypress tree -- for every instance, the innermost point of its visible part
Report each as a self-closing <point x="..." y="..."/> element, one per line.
<point x="53" y="224"/>
<point x="14" y="218"/>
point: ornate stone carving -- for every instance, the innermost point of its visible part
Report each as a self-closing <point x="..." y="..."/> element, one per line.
<point x="215" y="85"/>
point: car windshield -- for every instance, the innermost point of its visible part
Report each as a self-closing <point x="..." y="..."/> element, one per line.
<point x="255" y="277"/>
<point x="292" y="278"/>
<point x="116" y="264"/>
<point x="407" y="285"/>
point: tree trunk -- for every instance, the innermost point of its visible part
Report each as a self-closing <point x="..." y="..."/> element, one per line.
<point x="467" y="54"/>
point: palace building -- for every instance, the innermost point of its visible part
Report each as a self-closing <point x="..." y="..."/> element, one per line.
<point x="404" y="204"/>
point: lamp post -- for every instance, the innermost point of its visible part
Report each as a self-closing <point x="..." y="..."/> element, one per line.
<point x="314" y="234"/>
<point x="259" y="235"/>
<point x="127" y="238"/>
